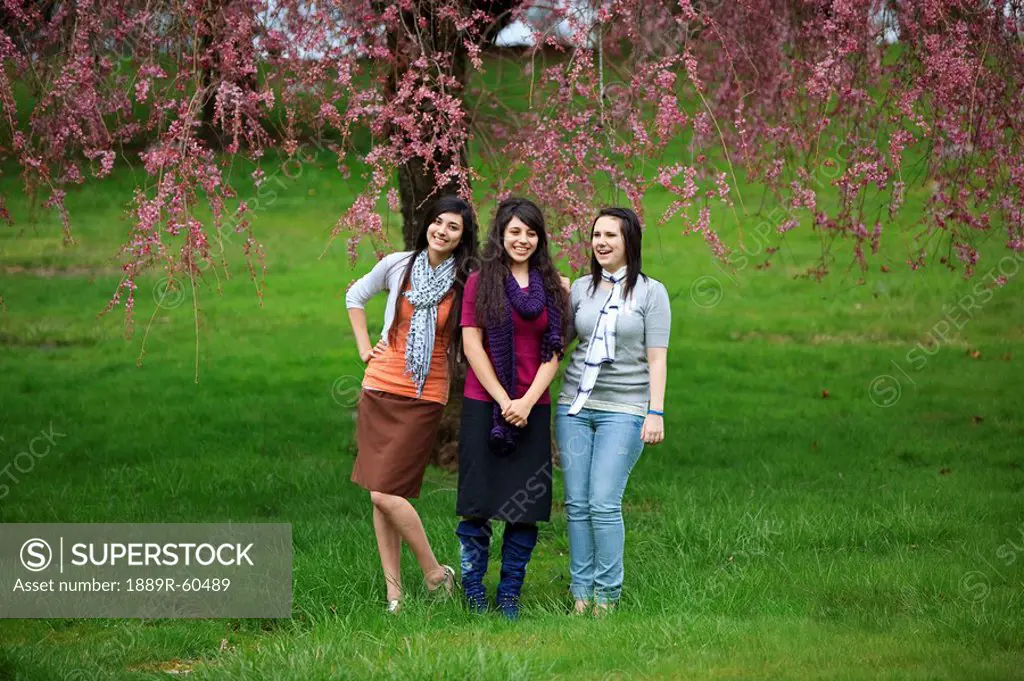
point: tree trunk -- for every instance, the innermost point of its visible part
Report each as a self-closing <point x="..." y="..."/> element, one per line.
<point x="215" y="24"/>
<point x="417" y="184"/>
<point x="417" y="187"/>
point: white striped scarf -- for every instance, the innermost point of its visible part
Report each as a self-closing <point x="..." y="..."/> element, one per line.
<point x="427" y="287"/>
<point x="601" y="348"/>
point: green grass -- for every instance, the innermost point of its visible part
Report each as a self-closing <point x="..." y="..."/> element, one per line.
<point x="776" y="534"/>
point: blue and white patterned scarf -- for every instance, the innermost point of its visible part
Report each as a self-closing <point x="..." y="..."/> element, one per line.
<point x="428" y="286"/>
<point x="601" y="348"/>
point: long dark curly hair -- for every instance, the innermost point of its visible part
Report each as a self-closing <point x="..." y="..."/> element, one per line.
<point x="465" y="259"/>
<point x="491" y="304"/>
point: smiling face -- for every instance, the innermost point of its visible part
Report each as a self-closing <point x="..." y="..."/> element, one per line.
<point x="608" y="243"/>
<point x="444" y="234"/>
<point x="520" y="241"/>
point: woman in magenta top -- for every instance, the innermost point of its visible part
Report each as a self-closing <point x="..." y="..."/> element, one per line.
<point x="513" y="313"/>
<point x="527" y="337"/>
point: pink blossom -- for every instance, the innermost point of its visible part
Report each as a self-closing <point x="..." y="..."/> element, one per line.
<point x="799" y="100"/>
<point x="723" y="187"/>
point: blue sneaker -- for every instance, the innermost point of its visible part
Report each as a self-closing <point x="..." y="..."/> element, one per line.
<point x="509" y="607"/>
<point x="477" y="604"/>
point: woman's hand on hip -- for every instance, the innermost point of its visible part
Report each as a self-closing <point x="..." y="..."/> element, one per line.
<point x="376" y="350"/>
<point x="653" y="431"/>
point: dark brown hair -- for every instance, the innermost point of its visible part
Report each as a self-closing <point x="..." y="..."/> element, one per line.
<point x="632" y="235"/>
<point x="491" y="303"/>
<point x="465" y="258"/>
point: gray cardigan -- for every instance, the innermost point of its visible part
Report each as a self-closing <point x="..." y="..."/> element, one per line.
<point x="644" y="322"/>
<point x="385" y="275"/>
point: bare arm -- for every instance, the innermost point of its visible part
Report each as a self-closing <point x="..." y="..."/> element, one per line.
<point x="570" y="321"/>
<point x="519" y="409"/>
<point x="545" y="374"/>
<point x="357" y="316"/>
<point x="473" y="346"/>
<point x="367" y="286"/>
<point x="653" y="431"/>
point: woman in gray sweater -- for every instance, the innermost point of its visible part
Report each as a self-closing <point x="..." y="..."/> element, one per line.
<point x="612" y="401"/>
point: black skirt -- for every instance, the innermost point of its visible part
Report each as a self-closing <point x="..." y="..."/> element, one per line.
<point x="514" y="487"/>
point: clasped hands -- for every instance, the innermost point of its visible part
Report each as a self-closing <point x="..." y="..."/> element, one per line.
<point x="516" y="411"/>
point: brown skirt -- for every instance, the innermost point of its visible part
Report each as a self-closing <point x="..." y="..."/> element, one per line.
<point x="394" y="435"/>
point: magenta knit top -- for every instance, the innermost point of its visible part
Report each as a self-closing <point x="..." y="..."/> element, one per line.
<point x="528" y="335"/>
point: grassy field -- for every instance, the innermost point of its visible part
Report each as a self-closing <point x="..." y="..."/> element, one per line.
<point x="825" y="504"/>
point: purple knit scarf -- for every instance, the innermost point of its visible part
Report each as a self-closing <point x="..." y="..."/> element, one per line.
<point x="501" y="346"/>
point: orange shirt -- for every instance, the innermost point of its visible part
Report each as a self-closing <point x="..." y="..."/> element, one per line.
<point x="386" y="372"/>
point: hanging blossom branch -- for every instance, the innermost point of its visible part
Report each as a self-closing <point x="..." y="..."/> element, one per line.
<point x="820" y="104"/>
<point x="809" y="100"/>
<point x="603" y="137"/>
<point x="93" y="67"/>
<point x="830" y="95"/>
<point x="415" y="111"/>
<point x="198" y="83"/>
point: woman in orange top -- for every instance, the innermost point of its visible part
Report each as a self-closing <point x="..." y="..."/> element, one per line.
<point x="405" y="386"/>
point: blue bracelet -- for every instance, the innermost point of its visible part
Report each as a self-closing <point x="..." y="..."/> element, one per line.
<point x="655" y="412"/>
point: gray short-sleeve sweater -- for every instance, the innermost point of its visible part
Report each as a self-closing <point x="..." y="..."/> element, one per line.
<point x="645" y="321"/>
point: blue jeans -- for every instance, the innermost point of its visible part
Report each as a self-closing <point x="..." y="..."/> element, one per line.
<point x="598" y="451"/>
